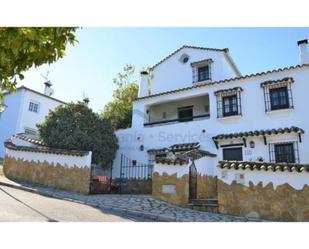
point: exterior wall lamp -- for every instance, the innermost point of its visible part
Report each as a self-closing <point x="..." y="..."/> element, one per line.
<point x="252" y="144"/>
<point x="141" y="148"/>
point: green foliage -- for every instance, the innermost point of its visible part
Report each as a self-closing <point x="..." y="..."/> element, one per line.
<point x="119" y="110"/>
<point x="77" y="127"/>
<point x="22" y="48"/>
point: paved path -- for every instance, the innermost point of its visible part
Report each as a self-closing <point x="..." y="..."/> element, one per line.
<point x="20" y="205"/>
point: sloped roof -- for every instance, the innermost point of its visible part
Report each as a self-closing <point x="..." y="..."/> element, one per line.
<point x="272" y="167"/>
<point x="187" y="46"/>
<point x="43" y="149"/>
<point x="176" y="148"/>
<point x="225" y="50"/>
<point x="225" y="81"/>
<point x="36" y="92"/>
<point x="31" y="139"/>
<point x="259" y="133"/>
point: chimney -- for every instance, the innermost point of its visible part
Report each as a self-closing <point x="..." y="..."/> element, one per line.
<point x="48" y="90"/>
<point x="303" y="52"/>
<point x="143" y="85"/>
<point x="86" y="100"/>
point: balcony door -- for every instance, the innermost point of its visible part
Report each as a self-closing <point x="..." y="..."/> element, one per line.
<point x="185" y="114"/>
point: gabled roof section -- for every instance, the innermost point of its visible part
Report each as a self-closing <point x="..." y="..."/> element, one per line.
<point x="36" y="92"/>
<point x="225" y="50"/>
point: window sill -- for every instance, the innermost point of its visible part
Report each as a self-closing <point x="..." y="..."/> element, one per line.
<point x="279" y="111"/>
<point x="202" y="82"/>
<point x="230" y="117"/>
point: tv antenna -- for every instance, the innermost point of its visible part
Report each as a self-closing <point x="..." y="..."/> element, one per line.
<point x="45" y="76"/>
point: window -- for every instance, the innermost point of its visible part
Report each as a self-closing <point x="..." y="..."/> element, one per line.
<point x="278" y="94"/>
<point x="203" y="73"/>
<point x="160" y="156"/>
<point x="30" y="131"/>
<point x="228" y="102"/>
<point x="33" y="107"/>
<point x="201" y="70"/>
<point x="185" y="59"/>
<point x="185" y="114"/>
<point x="232" y="154"/>
<point x="230" y="106"/>
<point x="284" y="153"/>
<point x="279" y="98"/>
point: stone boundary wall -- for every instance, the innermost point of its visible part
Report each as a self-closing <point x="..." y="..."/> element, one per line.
<point x="137" y="186"/>
<point x="72" y="178"/>
<point x="179" y="196"/>
<point x="206" y="187"/>
<point x="283" y="203"/>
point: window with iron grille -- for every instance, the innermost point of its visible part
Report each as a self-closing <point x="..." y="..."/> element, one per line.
<point x="230" y="106"/>
<point x="286" y="152"/>
<point x="33" y="107"/>
<point x="201" y="73"/>
<point x="278" y="94"/>
<point x="279" y="98"/>
<point x="228" y="102"/>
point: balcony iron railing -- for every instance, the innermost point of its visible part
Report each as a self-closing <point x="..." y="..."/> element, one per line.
<point x="187" y="119"/>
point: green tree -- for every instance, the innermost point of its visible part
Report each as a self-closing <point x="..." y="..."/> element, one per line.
<point x="77" y="127"/>
<point x="119" y="110"/>
<point x="22" y="48"/>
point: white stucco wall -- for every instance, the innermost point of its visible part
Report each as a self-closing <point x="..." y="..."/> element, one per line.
<point x="17" y="117"/>
<point x="180" y="170"/>
<point x="70" y="161"/>
<point x="295" y="179"/>
<point x="253" y="118"/>
<point x="29" y="119"/>
<point x="173" y="74"/>
<point x="9" y="118"/>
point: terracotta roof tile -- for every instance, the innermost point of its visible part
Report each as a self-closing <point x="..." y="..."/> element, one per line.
<point x="259" y="133"/>
<point x="264" y="166"/>
<point x="235" y="89"/>
<point x="175" y="148"/>
<point x="43" y="149"/>
<point x="30" y="139"/>
<point x="270" y="82"/>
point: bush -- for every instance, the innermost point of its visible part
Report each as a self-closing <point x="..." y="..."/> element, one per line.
<point x="77" y="127"/>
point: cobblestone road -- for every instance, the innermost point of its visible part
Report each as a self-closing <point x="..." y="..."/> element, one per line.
<point x="140" y="206"/>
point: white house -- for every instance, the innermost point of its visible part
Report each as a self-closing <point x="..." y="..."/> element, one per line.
<point x="198" y="95"/>
<point x="25" y="109"/>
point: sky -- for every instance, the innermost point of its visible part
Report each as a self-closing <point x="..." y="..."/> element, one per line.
<point x="90" y="66"/>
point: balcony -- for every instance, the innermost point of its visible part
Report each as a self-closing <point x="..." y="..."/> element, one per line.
<point x="175" y="111"/>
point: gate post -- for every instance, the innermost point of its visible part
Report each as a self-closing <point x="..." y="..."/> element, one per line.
<point x="120" y="178"/>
